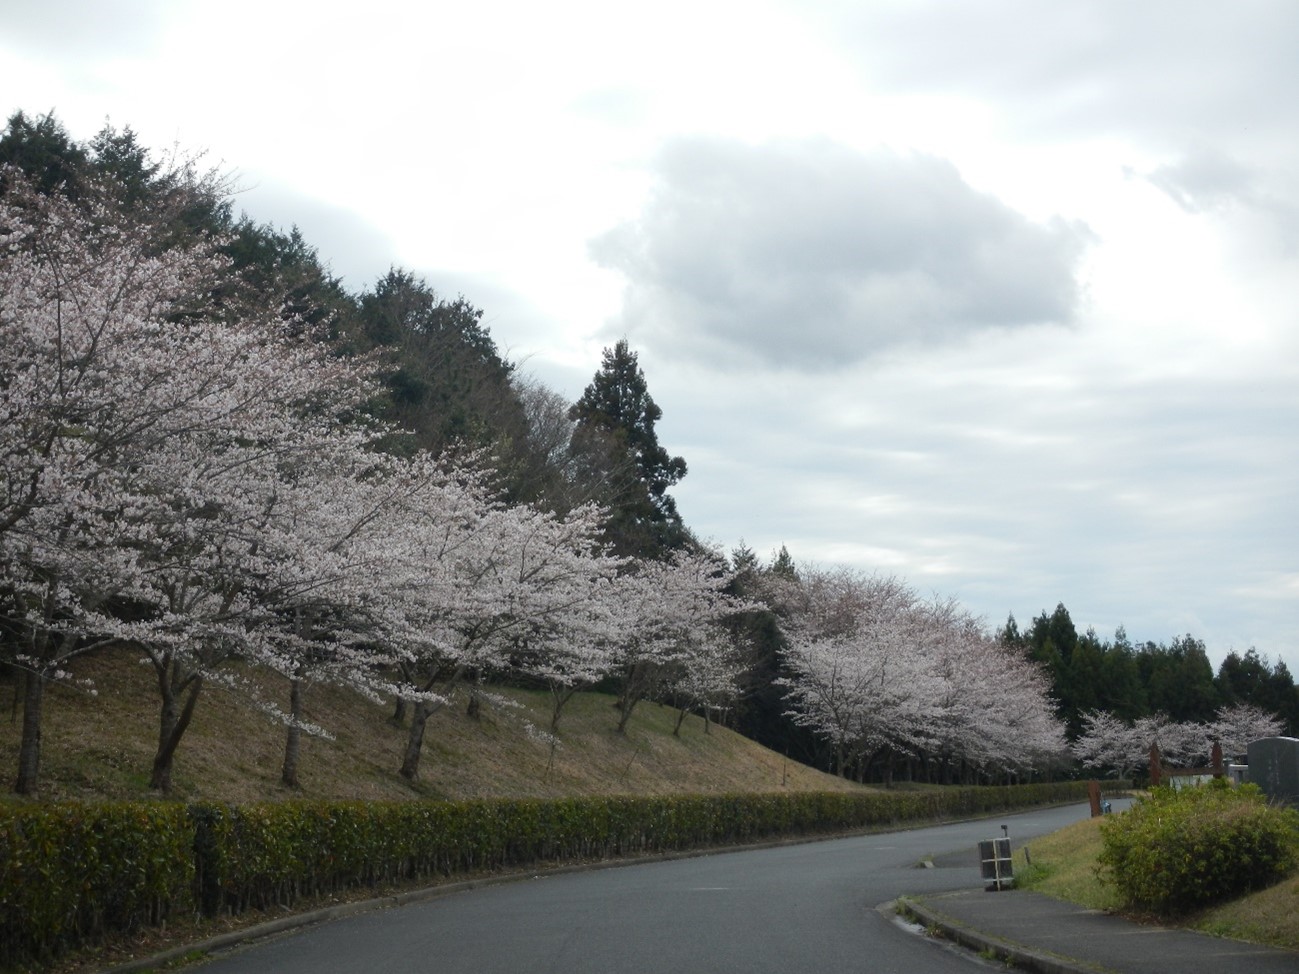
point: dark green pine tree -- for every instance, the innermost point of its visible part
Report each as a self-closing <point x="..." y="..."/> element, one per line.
<point x="447" y="383"/>
<point x="621" y="457"/>
<point x="1124" y="693"/>
<point x="42" y="149"/>
<point x="1051" y="641"/>
<point x="1252" y="679"/>
<point x="1179" y="679"/>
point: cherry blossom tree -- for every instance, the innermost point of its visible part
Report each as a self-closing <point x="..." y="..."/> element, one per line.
<point x="708" y="678"/>
<point x="993" y="715"/>
<point x="878" y="673"/>
<point x="1180" y="742"/>
<point x="482" y="586"/>
<point x="575" y="651"/>
<point x="1236" y="727"/>
<point x="137" y="418"/>
<point x="855" y="681"/>
<point x="1110" y="744"/>
<point x="671" y="605"/>
<point x="85" y="390"/>
<point x="319" y="608"/>
<point x="1019" y="723"/>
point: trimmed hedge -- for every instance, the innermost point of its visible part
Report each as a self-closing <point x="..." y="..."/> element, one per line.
<point x="73" y="874"/>
<point x="1176" y="851"/>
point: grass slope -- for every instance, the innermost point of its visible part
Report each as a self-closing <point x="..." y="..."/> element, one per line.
<point x="101" y="747"/>
<point x="1064" y="866"/>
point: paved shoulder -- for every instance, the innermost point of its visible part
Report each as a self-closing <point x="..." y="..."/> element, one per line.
<point x="1055" y="937"/>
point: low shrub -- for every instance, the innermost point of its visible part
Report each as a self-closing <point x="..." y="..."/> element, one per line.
<point x="1176" y="851"/>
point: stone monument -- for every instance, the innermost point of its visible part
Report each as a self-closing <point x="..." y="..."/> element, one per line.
<point x="1274" y="767"/>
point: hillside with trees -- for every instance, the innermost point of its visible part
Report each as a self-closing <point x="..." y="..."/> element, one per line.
<point x="222" y="462"/>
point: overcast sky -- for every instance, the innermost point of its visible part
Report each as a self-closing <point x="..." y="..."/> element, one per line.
<point x="999" y="297"/>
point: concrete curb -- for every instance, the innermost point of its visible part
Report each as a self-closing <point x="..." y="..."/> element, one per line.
<point x="1027" y="958"/>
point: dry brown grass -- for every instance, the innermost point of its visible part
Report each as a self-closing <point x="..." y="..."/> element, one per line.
<point x="101" y="747"/>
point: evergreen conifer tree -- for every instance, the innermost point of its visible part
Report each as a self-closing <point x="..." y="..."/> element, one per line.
<point x="619" y="448"/>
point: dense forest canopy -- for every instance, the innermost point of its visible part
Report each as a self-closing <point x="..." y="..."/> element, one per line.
<point x="215" y="451"/>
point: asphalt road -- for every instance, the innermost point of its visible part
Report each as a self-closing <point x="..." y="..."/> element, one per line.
<point x="801" y="908"/>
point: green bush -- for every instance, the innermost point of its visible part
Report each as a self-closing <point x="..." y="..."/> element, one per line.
<point x="1179" y="850"/>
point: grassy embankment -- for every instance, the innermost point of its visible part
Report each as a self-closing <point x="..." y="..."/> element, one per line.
<point x="101" y="747"/>
<point x="1064" y="866"/>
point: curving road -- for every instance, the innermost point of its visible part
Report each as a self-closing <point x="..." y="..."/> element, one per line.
<point x="808" y="907"/>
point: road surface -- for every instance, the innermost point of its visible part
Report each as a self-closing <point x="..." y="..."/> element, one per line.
<point x="810" y="907"/>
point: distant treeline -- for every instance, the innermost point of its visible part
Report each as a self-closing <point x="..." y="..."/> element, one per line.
<point x="1134" y="680"/>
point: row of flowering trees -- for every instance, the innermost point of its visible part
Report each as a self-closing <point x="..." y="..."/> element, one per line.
<point x="190" y="474"/>
<point x="886" y="676"/>
<point x="1111" y="745"/>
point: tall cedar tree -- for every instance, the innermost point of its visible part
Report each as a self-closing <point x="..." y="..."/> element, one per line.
<point x="615" y="439"/>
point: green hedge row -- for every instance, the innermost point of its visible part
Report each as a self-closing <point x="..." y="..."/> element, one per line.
<point x="71" y="874"/>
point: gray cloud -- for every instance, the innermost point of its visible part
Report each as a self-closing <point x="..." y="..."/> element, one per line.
<point x="353" y="248"/>
<point x="73" y="30"/>
<point x="1207" y="86"/>
<point x="1181" y="70"/>
<point x="1029" y="469"/>
<point x="1204" y="179"/>
<point x="812" y="255"/>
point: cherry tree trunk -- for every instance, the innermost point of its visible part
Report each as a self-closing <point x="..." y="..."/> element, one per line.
<point x="625" y="707"/>
<point x="174" y="720"/>
<point x="293" y="737"/>
<point x="29" y="751"/>
<point x="681" y="719"/>
<point x="634" y="687"/>
<point x="559" y="696"/>
<point x="420" y="714"/>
